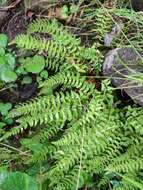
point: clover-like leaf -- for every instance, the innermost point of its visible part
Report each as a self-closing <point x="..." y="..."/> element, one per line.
<point x="18" y="181"/>
<point x="4" y="108"/>
<point x="35" y="64"/>
<point x="3" y="40"/>
<point x="26" y="80"/>
<point x="8" y="75"/>
<point x="3" y="175"/>
<point x="44" y="74"/>
<point x="2" y="51"/>
<point x="21" y="70"/>
<point x="2" y="62"/>
<point x="10" y="60"/>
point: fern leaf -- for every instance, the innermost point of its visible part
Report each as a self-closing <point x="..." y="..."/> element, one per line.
<point x="59" y="33"/>
<point x="67" y="78"/>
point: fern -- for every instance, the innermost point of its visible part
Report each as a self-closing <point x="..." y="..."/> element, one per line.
<point x="73" y="128"/>
<point x="47" y="102"/>
<point x="53" y="64"/>
<point x="104" y="20"/>
<point x="28" y="42"/>
<point x="58" y="33"/>
<point x="67" y="78"/>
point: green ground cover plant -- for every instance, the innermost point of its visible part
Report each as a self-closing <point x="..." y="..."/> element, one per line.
<point x="71" y="135"/>
<point x="7" y="62"/>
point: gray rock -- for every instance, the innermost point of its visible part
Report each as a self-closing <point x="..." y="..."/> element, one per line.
<point x="124" y="66"/>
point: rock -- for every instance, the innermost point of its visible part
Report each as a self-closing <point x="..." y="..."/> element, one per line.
<point x="137" y="5"/>
<point x="125" y="68"/>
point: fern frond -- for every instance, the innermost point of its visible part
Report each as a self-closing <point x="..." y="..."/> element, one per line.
<point x="69" y="181"/>
<point x="39" y="150"/>
<point x="52" y="64"/>
<point x="49" y="131"/>
<point x="28" y="42"/>
<point x="52" y="102"/>
<point x="41" y="154"/>
<point x="126" y="166"/>
<point x="55" y="50"/>
<point x="103" y="25"/>
<point x="64" y="164"/>
<point x="129" y="181"/>
<point x="73" y="127"/>
<point x="62" y="114"/>
<point x="89" y="117"/>
<point x="59" y="33"/>
<point x="67" y="78"/>
<point x="104" y="181"/>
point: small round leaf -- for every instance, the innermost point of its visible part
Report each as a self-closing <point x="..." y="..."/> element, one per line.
<point x="10" y="60"/>
<point x="2" y="62"/>
<point x="26" y="80"/>
<point x="44" y="74"/>
<point x="2" y="51"/>
<point x="19" y="181"/>
<point x="8" y="76"/>
<point x="35" y="65"/>
<point x="3" y="40"/>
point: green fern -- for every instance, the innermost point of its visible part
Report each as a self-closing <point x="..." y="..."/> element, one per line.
<point x="67" y="78"/>
<point x="58" y="33"/>
<point x="73" y="128"/>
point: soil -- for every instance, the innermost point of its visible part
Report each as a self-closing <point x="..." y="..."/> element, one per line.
<point x="19" y="94"/>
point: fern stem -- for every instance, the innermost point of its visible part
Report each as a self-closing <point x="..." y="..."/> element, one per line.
<point x="81" y="158"/>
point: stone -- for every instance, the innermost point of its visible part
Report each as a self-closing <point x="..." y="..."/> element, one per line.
<point x="124" y="66"/>
<point x="137" y="5"/>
